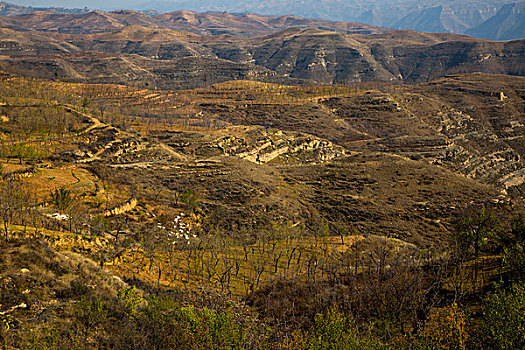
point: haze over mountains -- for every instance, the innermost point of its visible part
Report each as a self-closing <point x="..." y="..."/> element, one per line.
<point x="492" y="19"/>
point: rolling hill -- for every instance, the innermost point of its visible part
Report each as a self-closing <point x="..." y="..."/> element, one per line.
<point x="177" y="50"/>
<point x="240" y="181"/>
<point x="461" y="17"/>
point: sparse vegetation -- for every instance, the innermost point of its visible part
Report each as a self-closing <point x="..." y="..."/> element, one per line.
<point x="228" y="232"/>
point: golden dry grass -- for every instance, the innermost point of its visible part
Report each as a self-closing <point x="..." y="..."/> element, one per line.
<point x="226" y="265"/>
<point x="74" y="178"/>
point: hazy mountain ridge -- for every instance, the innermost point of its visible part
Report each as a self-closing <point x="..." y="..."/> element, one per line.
<point x="464" y="17"/>
<point x="8" y="9"/>
<point x="508" y="23"/>
<point x="134" y="54"/>
<point x="429" y="16"/>
<point x="245" y="25"/>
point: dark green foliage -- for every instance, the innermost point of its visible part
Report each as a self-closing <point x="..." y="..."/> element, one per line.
<point x="62" y="199"/>
<point x="130" y="323"/>
<point x="335" y="331"/>
<point x="190" y="199"/>
<point x="504" y="318"/>
<point x="130" y="299"/>
<point x="514" y="250"/>
<point x="472" y="230"/>
<point x="169" y="326"/>
<point x="91" y="312"/>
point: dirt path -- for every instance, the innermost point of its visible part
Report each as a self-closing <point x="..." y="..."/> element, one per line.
<point x="172" y="152"/>
<point x="96" y="123"/>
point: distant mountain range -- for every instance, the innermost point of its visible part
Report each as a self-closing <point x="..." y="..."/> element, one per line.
<point x="186" y="50"/>
<point x="245" y="25"/>
<point x="474" y="17"/>
<point x="507" y="24"/>
<point x="8" y="9"/>
<point x="491" y="19"/>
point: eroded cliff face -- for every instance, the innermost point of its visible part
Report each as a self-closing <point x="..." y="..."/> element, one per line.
<point x="129" y="205"/>
<point x="277" y="146"/>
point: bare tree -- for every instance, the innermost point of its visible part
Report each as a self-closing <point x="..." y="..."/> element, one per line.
<point x="12" y="201"/>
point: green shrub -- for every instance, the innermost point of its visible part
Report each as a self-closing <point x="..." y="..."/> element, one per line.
<point x="92" y="311"/>
<point x="504" y="318"/>
<point x="171" y="326"/>
<point x="61" y="199"/>
<point x="130" y="299"/>
<point x="332" y="331"/>
<point x="514" y="248"/>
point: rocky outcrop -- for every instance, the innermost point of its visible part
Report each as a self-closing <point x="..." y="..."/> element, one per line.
<point x="129" y="205"/>
<point x="286" y="146"/>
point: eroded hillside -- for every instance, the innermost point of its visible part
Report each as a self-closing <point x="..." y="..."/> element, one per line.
<point x="259" y="153"/>
<point x="239" y="212"/>
<point x="188" y="50"/>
